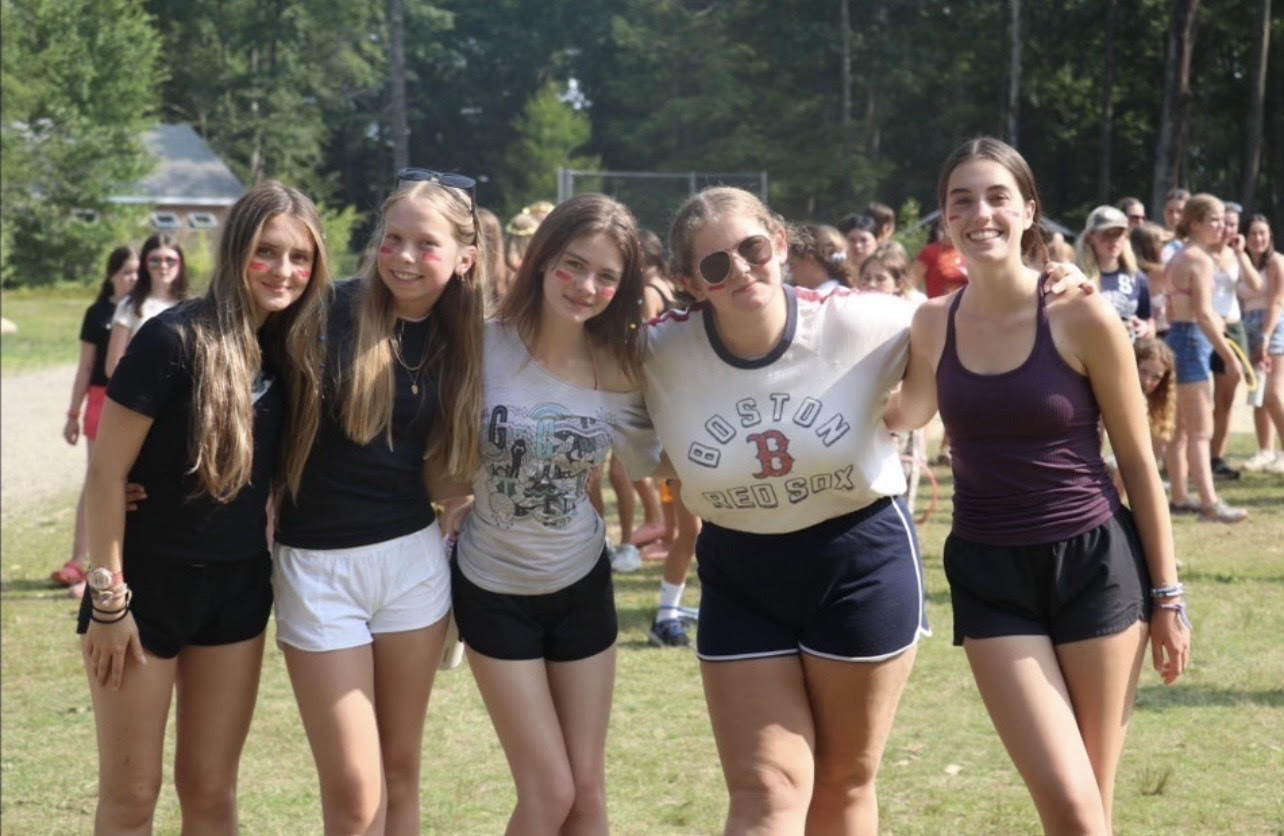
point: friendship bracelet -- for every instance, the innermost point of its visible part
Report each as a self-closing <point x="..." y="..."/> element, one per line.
<point x="1173" y="591"/>
<point x="1180" y="609"/>
<point x="121" y="617"/>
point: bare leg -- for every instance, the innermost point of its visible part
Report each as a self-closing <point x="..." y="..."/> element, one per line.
<point x="1195" y="412"/>
<point x="623" y="498"/>
<point x="582" y="697"/>
<point x="652" y="527"/>
<point x="335" y="692"/>
<point x="1262" y="425"/>
<point x="520" y="703"/>
<point x="1275" y="395"/>
<point x="678" y="562"/>
<point x="853" y="705"/>
<point x="762" y="723"/>
<point x="1025" y="693"/>
<point x="1223" y="402"/>
<point x="130" y="726"/>
<point x="405" y="664"/>
<point x="217" y="689"/>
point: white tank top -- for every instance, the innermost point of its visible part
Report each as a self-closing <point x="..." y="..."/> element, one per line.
<point x="1225" y="299"/>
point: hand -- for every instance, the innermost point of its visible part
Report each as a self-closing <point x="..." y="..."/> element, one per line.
<point x="1169" y="644"/>
<point x="134" y="494"/>
<point x="1236" y="243"/>
<point x="1064" y="276"/>
<point x="107" y="647"/>
<point x="71" y="430"/>
<point x="1138" y="327"/>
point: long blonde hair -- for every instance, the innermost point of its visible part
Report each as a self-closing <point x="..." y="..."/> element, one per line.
<point x="227" y="357"/>
<point x="367" y="377"/>
<point x="1085" y="255"/>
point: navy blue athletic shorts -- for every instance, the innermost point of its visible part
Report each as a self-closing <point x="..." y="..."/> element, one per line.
<point x="563" y="626"/>
<point x="1090" y="585"/>
<point x="179" y="604"/>
<point x="848" y="588"/>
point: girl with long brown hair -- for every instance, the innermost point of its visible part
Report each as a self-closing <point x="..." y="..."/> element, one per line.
<point x="213" y="405"/>
<point x="161" y="283"/>
<point x="1053" y="594"/>
<point x="360" y="572"/>
<point x="531" y="579"/>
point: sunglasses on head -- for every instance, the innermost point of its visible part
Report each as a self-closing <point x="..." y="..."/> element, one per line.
<point x="454" y="181"/>
<point x="162" y="260"/>
<point x="715" y="267"/>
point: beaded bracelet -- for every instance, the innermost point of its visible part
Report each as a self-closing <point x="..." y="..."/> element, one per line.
<point x="1180" y="609"/>
<point x="1173" y="591"/>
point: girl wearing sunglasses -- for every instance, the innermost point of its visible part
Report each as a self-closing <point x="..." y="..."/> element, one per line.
<point x="212" y="407"/>
<point x="161" y="284"/>
<point x="769" y="400"/>
<point x="1051" y="579"/>
<point x="361" y="578"/>
<point x="531" y="578"/>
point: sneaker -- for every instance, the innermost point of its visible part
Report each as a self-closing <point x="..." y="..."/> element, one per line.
<point x="1223" y="471"/>
<point x="668" y="633"/>
<point x="1223" y="513"/>
<point x="1276" y="465"/>
<point x="1186" y="506"/>
<point x="625" y="557"/>
<point x="1259" y="461"/>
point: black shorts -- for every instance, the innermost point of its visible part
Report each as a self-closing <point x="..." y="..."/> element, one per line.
<point x="563" y="626"/>
<point x="1235" y="333"/>
<point x="176" y="604"/>
<point x="849" y="588"/>
<point x="1090" y="585"/>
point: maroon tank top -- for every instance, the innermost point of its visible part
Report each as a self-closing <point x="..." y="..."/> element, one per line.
<point x="1025" y="446"/>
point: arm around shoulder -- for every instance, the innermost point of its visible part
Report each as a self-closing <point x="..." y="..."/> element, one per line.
<point x="914" y="404"/>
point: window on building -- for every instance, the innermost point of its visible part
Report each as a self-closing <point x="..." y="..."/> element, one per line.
<point x="166" y="220"/>
<point x="202" y="220"/>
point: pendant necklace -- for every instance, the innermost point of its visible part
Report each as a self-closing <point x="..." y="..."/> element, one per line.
<point x="401" y="360"/>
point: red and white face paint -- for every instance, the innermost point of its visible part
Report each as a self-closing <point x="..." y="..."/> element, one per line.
<point x="584" y="278"/>
<point x="419" y="256"/>
<point x="281" y="265"/>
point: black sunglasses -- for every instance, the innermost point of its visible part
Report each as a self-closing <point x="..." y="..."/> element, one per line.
<point x="715" y="267"/>
<point x="454" y="181"/>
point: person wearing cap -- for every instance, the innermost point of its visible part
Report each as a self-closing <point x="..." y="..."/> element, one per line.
<point x="1106" y="258"/>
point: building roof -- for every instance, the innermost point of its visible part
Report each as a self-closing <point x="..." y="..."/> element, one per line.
<point x="188" y="172"/>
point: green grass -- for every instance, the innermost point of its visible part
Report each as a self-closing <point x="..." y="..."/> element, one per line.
<point x="1204" y="756"/>
<point x="48" y="321"/>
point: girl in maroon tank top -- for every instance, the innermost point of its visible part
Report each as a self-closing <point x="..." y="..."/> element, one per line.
<point x="1045" y="565"/>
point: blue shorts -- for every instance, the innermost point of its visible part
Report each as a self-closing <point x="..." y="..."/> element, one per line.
<point x="1275" y="345"/>
<point x="1253" y="322"/>
<point x="849" y="588"/>
<point x="1191" y="349"/>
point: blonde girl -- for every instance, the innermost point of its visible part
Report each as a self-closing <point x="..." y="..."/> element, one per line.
<point x="363" y="588"/>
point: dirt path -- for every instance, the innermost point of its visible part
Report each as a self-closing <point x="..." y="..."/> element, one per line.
<point x="35" y="462"/>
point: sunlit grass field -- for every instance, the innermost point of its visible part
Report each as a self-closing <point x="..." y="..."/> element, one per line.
<point x="1204" y="756"/>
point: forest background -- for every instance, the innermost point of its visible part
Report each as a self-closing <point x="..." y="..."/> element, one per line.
<point x="839" y="101"/>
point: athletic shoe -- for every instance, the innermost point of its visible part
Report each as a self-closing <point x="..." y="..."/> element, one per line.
<point x="1277" y="464"/>
<point x="1189" y="506"/>
<point x="1259" y="461"/>
<point x="624" y="557"/>
<point x="1221" y="512"/>
<point x="1223" y="471"/>
<point x="668" y="633"/>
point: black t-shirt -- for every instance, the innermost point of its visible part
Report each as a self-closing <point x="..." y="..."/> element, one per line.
<point x="95" y="329"/>
<point x="356" y="494"/>
<point x="178" y="522"/>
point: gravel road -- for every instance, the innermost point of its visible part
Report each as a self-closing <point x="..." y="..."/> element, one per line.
<point x="35" y="462"/>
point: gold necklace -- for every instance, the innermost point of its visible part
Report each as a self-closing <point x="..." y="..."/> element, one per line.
<point x="413" y="372"/>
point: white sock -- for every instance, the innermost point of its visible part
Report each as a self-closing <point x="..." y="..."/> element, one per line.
<point x="670" y="597"/>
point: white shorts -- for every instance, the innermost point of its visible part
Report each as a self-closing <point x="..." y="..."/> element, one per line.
<point x="332" y="599"/>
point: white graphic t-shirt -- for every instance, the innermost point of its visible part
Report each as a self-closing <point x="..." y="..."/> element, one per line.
<point x="791" y="439"/>
<point x="532" y="529"/>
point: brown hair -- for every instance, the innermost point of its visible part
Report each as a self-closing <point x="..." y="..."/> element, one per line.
<point x="492" y="236"/>
<point x="617" y="329"/>
<point x="815" y="241"/>
<point x="226" y="355"/>
<point x="709" y="205"/>
<point x="884" y="217"/>
<point x="1161" y="404"/>
<point x="1147" y="240"/>
<point x="454" y="344"/>
<point x="1259" y="263"/>
<point x="996" y="150"/>
<point x="1196" y="210"/>
<point x="143" y="287"/>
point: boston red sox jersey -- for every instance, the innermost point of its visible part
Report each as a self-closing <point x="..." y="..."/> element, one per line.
<point x="788" y="440"/>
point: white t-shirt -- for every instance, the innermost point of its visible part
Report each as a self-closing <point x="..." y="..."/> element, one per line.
<point x="126" y="316"/>
<point x="791" y="439"/>
<point x="532" y="529"/>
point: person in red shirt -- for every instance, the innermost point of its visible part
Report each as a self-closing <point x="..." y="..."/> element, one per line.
<point x="939" y="269"/>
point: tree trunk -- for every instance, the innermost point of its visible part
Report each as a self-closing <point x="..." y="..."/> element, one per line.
<point x="1014" y="71"/>
<point x="397" y="73"/>
<point x="1252" y="158"/>
<point x="845" y="113"/>
<point x="1170" y="147"/>
<point x="1104" y="163"/>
